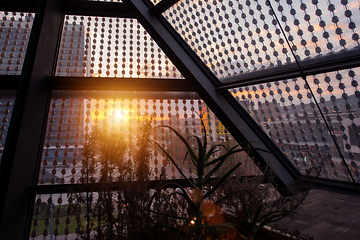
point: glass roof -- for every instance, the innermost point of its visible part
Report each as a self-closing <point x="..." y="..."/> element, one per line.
<point x="314" y="119"/>
<point x="236" y="37"/>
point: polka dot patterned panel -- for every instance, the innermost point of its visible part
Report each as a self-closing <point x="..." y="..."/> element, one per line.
<point x="234" y="37"/>
<point x="110" y="47"/>
<point x="115" y="120"/>
<point x="314" y="122"/>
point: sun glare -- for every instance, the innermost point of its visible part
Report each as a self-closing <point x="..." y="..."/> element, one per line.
<point x="120" y="114"/>
<point x="116" y="115"/>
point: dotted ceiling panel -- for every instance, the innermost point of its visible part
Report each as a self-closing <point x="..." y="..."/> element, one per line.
<point x="15" y="30"/>
<point x="287" y="112"/>
<point x="72" y="121"/>
<point x="6" y="106"/>
<point x="110" y="47"/>
<point x="234" y="37"/>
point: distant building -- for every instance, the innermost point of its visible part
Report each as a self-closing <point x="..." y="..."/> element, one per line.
<point x="66" y="124"/>
<point x="73" y="60"/>
<point x="64" y="139"/>
<point x="14" y="37"/>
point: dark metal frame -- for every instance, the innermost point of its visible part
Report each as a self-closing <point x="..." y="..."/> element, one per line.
<point x="9" y="82"/>
<point x="60" y="94"/>
<point x="119" y="84"/>
<point x="332" y="185"/>
<point x="322" y="64"/>
<point x="115" y="186"/>
<point x="19" y="5"/>
<point x="162" y="6"/>
<point x="21" y="157"/>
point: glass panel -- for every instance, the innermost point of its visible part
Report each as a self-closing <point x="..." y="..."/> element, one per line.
<point x="60" y="215"/>
<point x="124" y="213"/>
<point x="75" y="116"/>
<point x="7" y="100"/>
<point x="110" y="47"/>
<point x="14" y="36"/>
<point x="236" y="37"/>
<point x="339" y="98"/>
<point x="288" y="113"/>
<point x="318" y="27"/>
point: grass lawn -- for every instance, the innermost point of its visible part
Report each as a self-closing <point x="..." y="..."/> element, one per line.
<point x="62" y="226"/>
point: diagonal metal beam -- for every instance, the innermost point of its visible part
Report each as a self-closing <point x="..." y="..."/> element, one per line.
<point x="230" y="113"/>
<point x="162" y="6"/>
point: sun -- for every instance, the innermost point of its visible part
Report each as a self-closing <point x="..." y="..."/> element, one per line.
<point x="120" y="114"/>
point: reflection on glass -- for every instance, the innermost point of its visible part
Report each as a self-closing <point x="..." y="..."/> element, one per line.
<point x="288" y="113"/>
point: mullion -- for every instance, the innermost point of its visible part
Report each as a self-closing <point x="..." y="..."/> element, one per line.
<point x="21" y="157"/>
<point x="329" y="63"/>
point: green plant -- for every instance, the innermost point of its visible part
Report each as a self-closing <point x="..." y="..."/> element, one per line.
<point x="118" y="210"/>
<point x="214" y="207"/>
<point x="258" y="220"/>
<point x="202" y="219"/>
